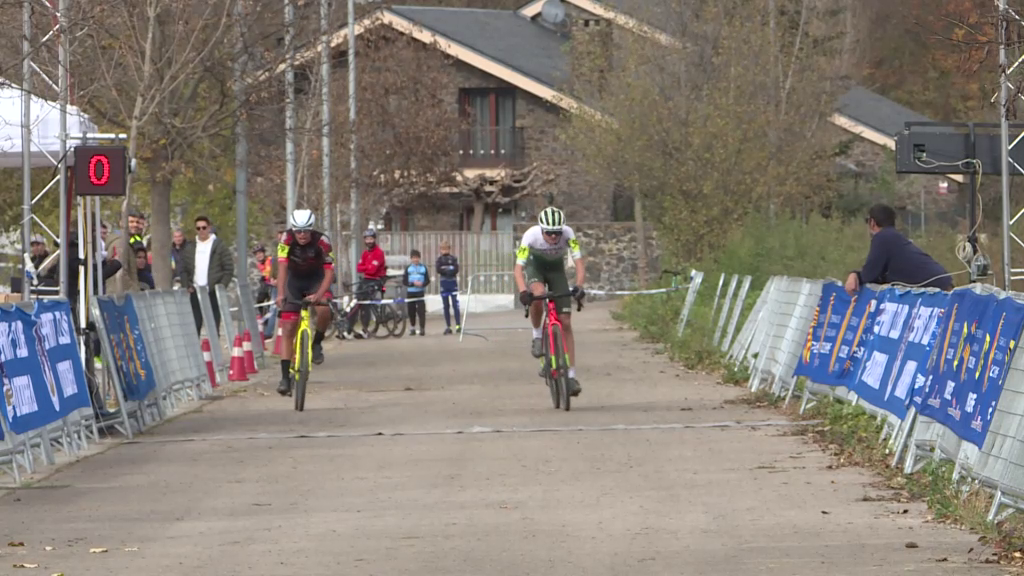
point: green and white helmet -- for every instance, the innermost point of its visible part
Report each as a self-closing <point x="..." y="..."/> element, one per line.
<point x="551" y="219"/>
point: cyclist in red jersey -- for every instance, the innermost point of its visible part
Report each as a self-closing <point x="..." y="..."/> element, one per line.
<point x="305" y="271"/>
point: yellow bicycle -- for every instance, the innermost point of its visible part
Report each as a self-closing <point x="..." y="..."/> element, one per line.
<point x="302" y="360"/>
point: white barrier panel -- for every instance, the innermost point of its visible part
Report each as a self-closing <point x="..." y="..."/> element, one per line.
<point x="771" y="341"/>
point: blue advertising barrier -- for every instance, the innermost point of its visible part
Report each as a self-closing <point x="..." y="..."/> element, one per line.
<point x="882" y="346"/>
<point x="128" y="347"/>
<point x="31" y="399"/>
<point x="54" y="329"/>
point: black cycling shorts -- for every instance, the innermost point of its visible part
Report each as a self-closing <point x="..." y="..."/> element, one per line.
<point x="299" y="287"/>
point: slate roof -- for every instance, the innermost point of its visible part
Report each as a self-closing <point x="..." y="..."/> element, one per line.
<point x="501" y="35"/>
<point x="877" y="111"/>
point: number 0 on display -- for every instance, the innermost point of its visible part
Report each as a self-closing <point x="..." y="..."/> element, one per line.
<point x="100" y="170"/>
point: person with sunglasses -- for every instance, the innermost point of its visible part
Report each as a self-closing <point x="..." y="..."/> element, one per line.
<point x="305" y="270"/>
<point x="206" y="262"/>
<point x="540" y="263"/>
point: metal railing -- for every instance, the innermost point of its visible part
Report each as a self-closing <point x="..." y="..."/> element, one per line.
<point x="492" y="147"/>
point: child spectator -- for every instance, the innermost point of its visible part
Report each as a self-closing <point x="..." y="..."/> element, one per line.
<point x="448" y="272"/>
<point x="145" y="270"/>
<point x="417" y="278"/>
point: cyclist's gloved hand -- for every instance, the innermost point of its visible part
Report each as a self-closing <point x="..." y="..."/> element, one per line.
<point x="578" y="293"/>
<point x="524" y="298"/>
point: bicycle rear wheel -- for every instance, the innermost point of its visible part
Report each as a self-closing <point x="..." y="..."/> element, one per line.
<point x="561" y="368"/>
<point x="302" y="374"/>
<point x="397" y="319"/>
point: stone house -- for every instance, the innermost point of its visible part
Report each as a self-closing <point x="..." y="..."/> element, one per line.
<point x="512" y="79"/>
<point x="514" y="88"/>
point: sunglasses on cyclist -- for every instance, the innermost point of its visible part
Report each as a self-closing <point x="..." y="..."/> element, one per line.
<point x="553" y="233"/>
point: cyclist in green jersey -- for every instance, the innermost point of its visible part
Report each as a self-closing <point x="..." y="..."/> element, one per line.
<point x="540" y="263"/>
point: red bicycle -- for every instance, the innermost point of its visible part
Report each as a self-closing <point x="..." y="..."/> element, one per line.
<point x="555" y="359"/>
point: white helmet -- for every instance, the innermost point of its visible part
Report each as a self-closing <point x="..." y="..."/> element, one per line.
<point x="302" y="220"/>
<point x="551" y="219"/>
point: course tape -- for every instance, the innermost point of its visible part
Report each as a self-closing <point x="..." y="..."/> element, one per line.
<point x="594" y="292"/>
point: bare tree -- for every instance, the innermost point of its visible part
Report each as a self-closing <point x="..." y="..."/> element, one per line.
<point x="161" y="71"/>
<point x="727" y="122"/>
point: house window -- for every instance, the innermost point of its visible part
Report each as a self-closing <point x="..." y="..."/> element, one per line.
<point x="489" y="118"/>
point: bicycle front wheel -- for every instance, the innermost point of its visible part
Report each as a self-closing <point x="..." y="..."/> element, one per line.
<point x="561" y="364"/>
<point x="302" y="374"/>
<point x="552" y="382"/>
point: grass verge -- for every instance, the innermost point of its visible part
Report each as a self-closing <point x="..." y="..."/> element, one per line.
<point x="848" y="433"/>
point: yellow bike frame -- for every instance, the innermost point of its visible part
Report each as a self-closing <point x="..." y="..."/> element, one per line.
<point x="304" y="316"/>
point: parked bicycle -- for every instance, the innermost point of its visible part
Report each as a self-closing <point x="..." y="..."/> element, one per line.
<point x="555" y="358"/>
<point x="346" y="314"/>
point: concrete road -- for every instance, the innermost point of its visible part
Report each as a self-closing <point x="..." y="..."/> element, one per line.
<point x="661" y="480"/>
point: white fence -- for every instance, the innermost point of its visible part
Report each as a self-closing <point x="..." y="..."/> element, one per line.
<point x="770" y="343"/>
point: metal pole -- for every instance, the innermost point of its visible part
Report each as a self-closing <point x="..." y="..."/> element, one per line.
<point x="100" y="248"/>
<point x="241" y="150"/>
<point x="63" y="55"/>
<point x="26" y="139"/>
<point x="353" y="188"/>
<point x="325" y="128"/>
<point x="1004" y="143"/>
<point x="289" y="105"/>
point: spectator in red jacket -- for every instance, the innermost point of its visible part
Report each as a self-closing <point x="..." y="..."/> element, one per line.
<point x="373" y="267"/>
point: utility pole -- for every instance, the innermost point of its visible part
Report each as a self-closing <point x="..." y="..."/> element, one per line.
<point x="241" y="148"/>
<point x="353" y="188"/>
<point x="26" y="140"/>
<point x="325" y="126"/>
<point x="1004" y="141"/>
<point x="289" y="106"/>
<point x="63" y="68"/>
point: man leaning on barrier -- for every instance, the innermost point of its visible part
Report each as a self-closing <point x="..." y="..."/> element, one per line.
<point x="894" y="259"/>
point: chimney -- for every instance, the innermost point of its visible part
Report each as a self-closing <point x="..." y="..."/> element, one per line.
<point x="590" y="55"/>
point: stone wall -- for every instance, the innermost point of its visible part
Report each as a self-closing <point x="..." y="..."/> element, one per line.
<point x="610" y="252"/>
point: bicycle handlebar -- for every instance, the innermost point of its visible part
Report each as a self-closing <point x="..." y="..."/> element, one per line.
<point x="552" y="296"/>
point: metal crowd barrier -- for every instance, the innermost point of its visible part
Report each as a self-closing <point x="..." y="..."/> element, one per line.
<point x="770" y="344"/>
<point x="45" y="398"/>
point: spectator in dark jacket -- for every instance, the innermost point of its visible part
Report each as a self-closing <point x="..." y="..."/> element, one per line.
<point x="448" y="272"/>
<point x="178" y="246"/>
<point x="144" y="268"/>
<point x="894" y="259"/>
<point x="207" y="262"/>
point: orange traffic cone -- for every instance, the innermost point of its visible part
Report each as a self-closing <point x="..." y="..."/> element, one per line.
<point x="247" y="355"/>
<point x="277" y="341"/>
<point x="208" y="357"/>
<point x="236" y="372"/>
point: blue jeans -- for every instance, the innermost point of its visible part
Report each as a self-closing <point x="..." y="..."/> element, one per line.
<point x="450" y="298"/>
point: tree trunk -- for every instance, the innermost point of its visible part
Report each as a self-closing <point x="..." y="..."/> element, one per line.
<point x="160" y="232"/>
<point x="478" y="215"/>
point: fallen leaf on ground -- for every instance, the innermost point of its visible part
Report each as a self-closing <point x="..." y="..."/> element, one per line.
<point x="133" y="549"/>
<point x="911" y="545"/>
<point x="943" y="559"/>
<point x="57" y="574"/>
<point x="48" y="548"/>
<point x="97" y="550"/>
<point x="825" y="512"/>
<point x="15" y="544"/>
<point x="26" y="565"/>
